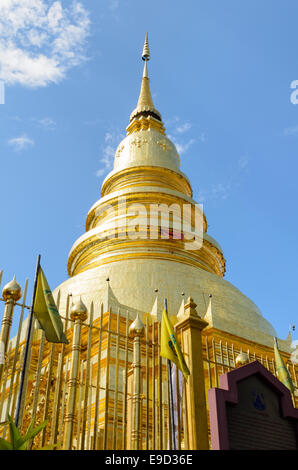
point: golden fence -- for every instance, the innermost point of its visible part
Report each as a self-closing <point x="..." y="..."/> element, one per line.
<point x="108" y="388"/>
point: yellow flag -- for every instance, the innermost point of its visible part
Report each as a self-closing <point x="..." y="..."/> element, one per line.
<point x="169" y="347"/>
<point x="46" y="312"/>
<point x="282" y="372"/>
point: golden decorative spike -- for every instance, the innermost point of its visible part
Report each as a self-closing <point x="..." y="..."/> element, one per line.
<point x="146" y="51"/>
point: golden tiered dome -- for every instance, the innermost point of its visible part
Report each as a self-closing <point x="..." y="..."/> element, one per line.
<point x="146" y="172"/>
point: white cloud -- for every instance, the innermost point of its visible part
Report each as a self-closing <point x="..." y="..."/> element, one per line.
<point x="183" y="128"/>
<point x="290" y="130"/>
<point x="243" y="162"/>
<point x="112" y="139"/>
<point x="21" y="142"/>
<point x="177" y="131"/>
<point x="40" y="40"/>
<point x="180" y="145"/>
<point x="183" y="147"/>
<point x="108" y="136"/>
<point x="47" y="123"/>
<point x="222" y="190"/>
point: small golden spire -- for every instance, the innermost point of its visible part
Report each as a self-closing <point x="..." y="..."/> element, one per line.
<point x="145" y="104"/>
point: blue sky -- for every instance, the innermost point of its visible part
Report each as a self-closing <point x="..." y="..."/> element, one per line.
<point x="220" y="76"/>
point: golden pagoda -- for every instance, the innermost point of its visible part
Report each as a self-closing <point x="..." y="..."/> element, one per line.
<point x="108" y="389"/>
<point x="147" y="171"/>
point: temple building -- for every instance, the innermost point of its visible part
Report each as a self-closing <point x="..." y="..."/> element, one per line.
<point x="104" y="390"/>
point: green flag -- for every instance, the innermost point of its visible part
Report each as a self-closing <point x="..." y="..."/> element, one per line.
<point x="46" y="312"/>
<point x="281" y="370"/>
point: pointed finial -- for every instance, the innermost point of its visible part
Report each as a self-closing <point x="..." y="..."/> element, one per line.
<point x="12" y="290"/>
<point x="137" y="328"/>
<point x="145" y="115"/>
<point x="78" y="310"/>
<point x="146" y="51"/>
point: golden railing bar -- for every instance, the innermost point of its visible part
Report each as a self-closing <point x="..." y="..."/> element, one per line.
<point x="89" y="444"/>
<point x="169" y="414"/>
<point x="160" y="429"/>
<point x="215" y="362"/>
<point x="153" y="390"/>
<point x="267" y="363"/>
<point x="106" y="412"/>
<point x="185" y="414"/>
<point x="97" y="393"/>
<point x="80" y="400"/>
<point x="4" y="376"/>
<point x="48" y="391"/>
<point x="147" y="384"/>
<point x="38" y="374"/>
<point x="55" y="402"/>
<point x="208" y="362"/>
<point x="233" y="354"/>
<point x="52" y="357"/>
<point x="137" y="332"/>
<point x="228" y="356"/>
<point x="115" y="419"/>
<point x="87" y="374"/>
<point x="16" y="355"/>
<point x="37" y="380"/>
<point x="26" y="375"/>
<point x="125" y="386"/>
<point x="221" y="357"/>
<point x="79" y="314"/>
<point x="17" y="382"/>
<point x="178" y="407"/>
<point x="63" y="400"/>
<point x="55" y="424"/>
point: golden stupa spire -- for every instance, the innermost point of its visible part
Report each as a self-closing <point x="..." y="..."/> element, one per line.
<point x="145" y="107"/>
<point x="146" y="51"/>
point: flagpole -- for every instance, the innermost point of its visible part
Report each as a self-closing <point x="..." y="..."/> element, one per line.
<point x="171" y="391"/>
<point x="17" y="416"/>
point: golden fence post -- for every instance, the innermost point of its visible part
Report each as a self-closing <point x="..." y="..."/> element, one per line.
<point x="17" y="356"/>
<point x="97" y="393"/>
<point x="136" y="329"/>
<point x="190" y="328"/>
<point x="125" y="387"/>
<point x="87" y="381"/>
<point x="78" y="313"/>
<point x="11" y="293"/>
